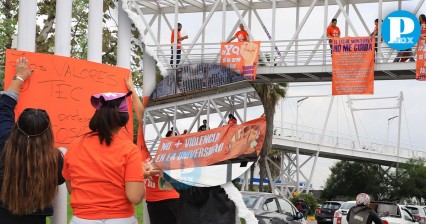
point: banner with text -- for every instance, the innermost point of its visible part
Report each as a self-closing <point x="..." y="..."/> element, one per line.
<point x="62" y="86"/>
<point x="421" y="59"/>
<point x="353" y="65"/>
<point x="212" y="146"/>
<point x="241" y="57"/>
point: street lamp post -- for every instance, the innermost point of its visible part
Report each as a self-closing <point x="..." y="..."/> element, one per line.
<point x="299" y="102"/>
<point x="387" y="132"/>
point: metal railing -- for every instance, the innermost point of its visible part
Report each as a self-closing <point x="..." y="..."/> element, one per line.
<point x="291" y="53"/>
<point x="345" y="141"/>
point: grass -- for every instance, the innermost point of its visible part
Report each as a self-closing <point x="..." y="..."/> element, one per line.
<point x="138" y="211"/>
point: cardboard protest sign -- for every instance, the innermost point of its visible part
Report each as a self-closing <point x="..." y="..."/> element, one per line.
<point x="212" y="146"/>
<point x="241" y="57"/>
<point x="353" y="65"/>
<point x="62" y="86"/>
<point x="421" y="59"/>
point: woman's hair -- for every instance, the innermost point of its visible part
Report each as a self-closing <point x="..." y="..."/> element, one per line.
<point x="423" y="17"/>
<point x="108" y="119"/>
<point x="29" y="162"/>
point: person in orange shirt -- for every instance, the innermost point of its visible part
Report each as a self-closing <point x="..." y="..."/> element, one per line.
<point x="375" y="33"/>
<point x="422" y="19"/>
<point x="332" y="31"/>
<point x="242" y="35"/>
<point x="103" y="168"/>
<point x="162" y="200"/>
<point x="232" y="119"/>
<point x="178" y="47"/>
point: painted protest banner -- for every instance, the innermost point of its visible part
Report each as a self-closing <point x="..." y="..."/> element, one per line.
<point x="241" y="57"/>
<point x="62" y="86"/>
<point x="353" y="65"/>
<point x="421" y="59"/>
<point x="212" y="146"/>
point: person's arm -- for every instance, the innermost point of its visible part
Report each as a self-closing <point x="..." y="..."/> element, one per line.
<point x="182" y="38"/>
<point x="9" y="99"/>
<point x="328" y="33"/>
<point x="375" y="218"/>
<point x="137" y="103"/>
<point x="135" y="191"/>
<point x="149" y="169"/>
<point x="233" y="38"/>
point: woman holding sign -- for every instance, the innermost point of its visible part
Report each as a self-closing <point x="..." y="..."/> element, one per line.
<point x="103" y="168"/>
<point x="30" y="165"/>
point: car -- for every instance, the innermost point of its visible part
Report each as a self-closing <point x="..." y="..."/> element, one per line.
<point x="325" y="214"/>
<point x="340" y="214"/>
<point x="418" y="213"/>
<point x="391" y="213"/>
<point x="272" y="209"/>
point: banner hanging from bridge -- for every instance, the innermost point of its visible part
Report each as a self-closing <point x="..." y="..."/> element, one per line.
<point x="212" y="146"/>
<point x="62" y="86"/>
<point x="241" y="57"/>
<point x="421" y="59"/>
<point x="353" y="65"/>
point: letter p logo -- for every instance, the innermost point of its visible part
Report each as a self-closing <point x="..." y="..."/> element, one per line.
<point x="401" y="30"/>
<point x="395" y="28"/>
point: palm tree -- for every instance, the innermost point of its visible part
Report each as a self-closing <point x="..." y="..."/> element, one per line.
<point x="270" y="94"/>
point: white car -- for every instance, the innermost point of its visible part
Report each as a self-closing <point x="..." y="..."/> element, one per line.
<point x="391" y="213"/>
<point x="340" y="214"/>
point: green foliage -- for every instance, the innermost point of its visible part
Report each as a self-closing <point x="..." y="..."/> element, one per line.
<point x="348" y="179"/>
<point x="413" y="179"/>
<point x="310" y="200"/>
<point x="45" y="32"/>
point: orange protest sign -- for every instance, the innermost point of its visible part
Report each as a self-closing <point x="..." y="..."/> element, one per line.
<point x="212" y="146"/>
<point x="421" y="59"/>
<point x="241" y="57"/>
<point x="62" y="86"/>
<point x="353" y="65"/>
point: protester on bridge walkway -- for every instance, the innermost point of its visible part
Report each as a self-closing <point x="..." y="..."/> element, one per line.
<point x="103" y="168"/>
<point x="161" y="198"/>
<point x="232" y="119"/>
<point x="242" y="35"/>
<point x="30" y="165"/>
<point x="361" y="213"/>
<point x="332" y="31"/>
<point x="178" y="47"/>
<point x="203" y="127"/>
<point x="422" y="19"/>
<point x="375" y="33"/>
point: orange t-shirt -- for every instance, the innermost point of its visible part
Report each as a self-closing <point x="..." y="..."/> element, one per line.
<point x="173" y="38"/>
<point x="333" y="32"/>
<point x="232" y="121"/>
<point x="152" y="184"/>
<point x="242" y="35"/>
<point x="423" y="27"/>
<point x="98" y="174"/>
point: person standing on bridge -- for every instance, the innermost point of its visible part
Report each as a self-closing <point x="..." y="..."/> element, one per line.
<point x="178" y="47"/>
<point x="361" y="213"/>
<point x="242" y="35"/>
<point x="375" y="33"/>
<point x="332" y="31"/>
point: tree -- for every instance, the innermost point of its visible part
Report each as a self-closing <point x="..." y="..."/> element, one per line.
<point x="413" y="179"/>
<point x="270" y="94"/>
<point x="349" y="178"/>
<point x="45" y="32"/>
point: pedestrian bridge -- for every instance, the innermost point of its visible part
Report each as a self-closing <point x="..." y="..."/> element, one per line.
<point x="341" y="146"/>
